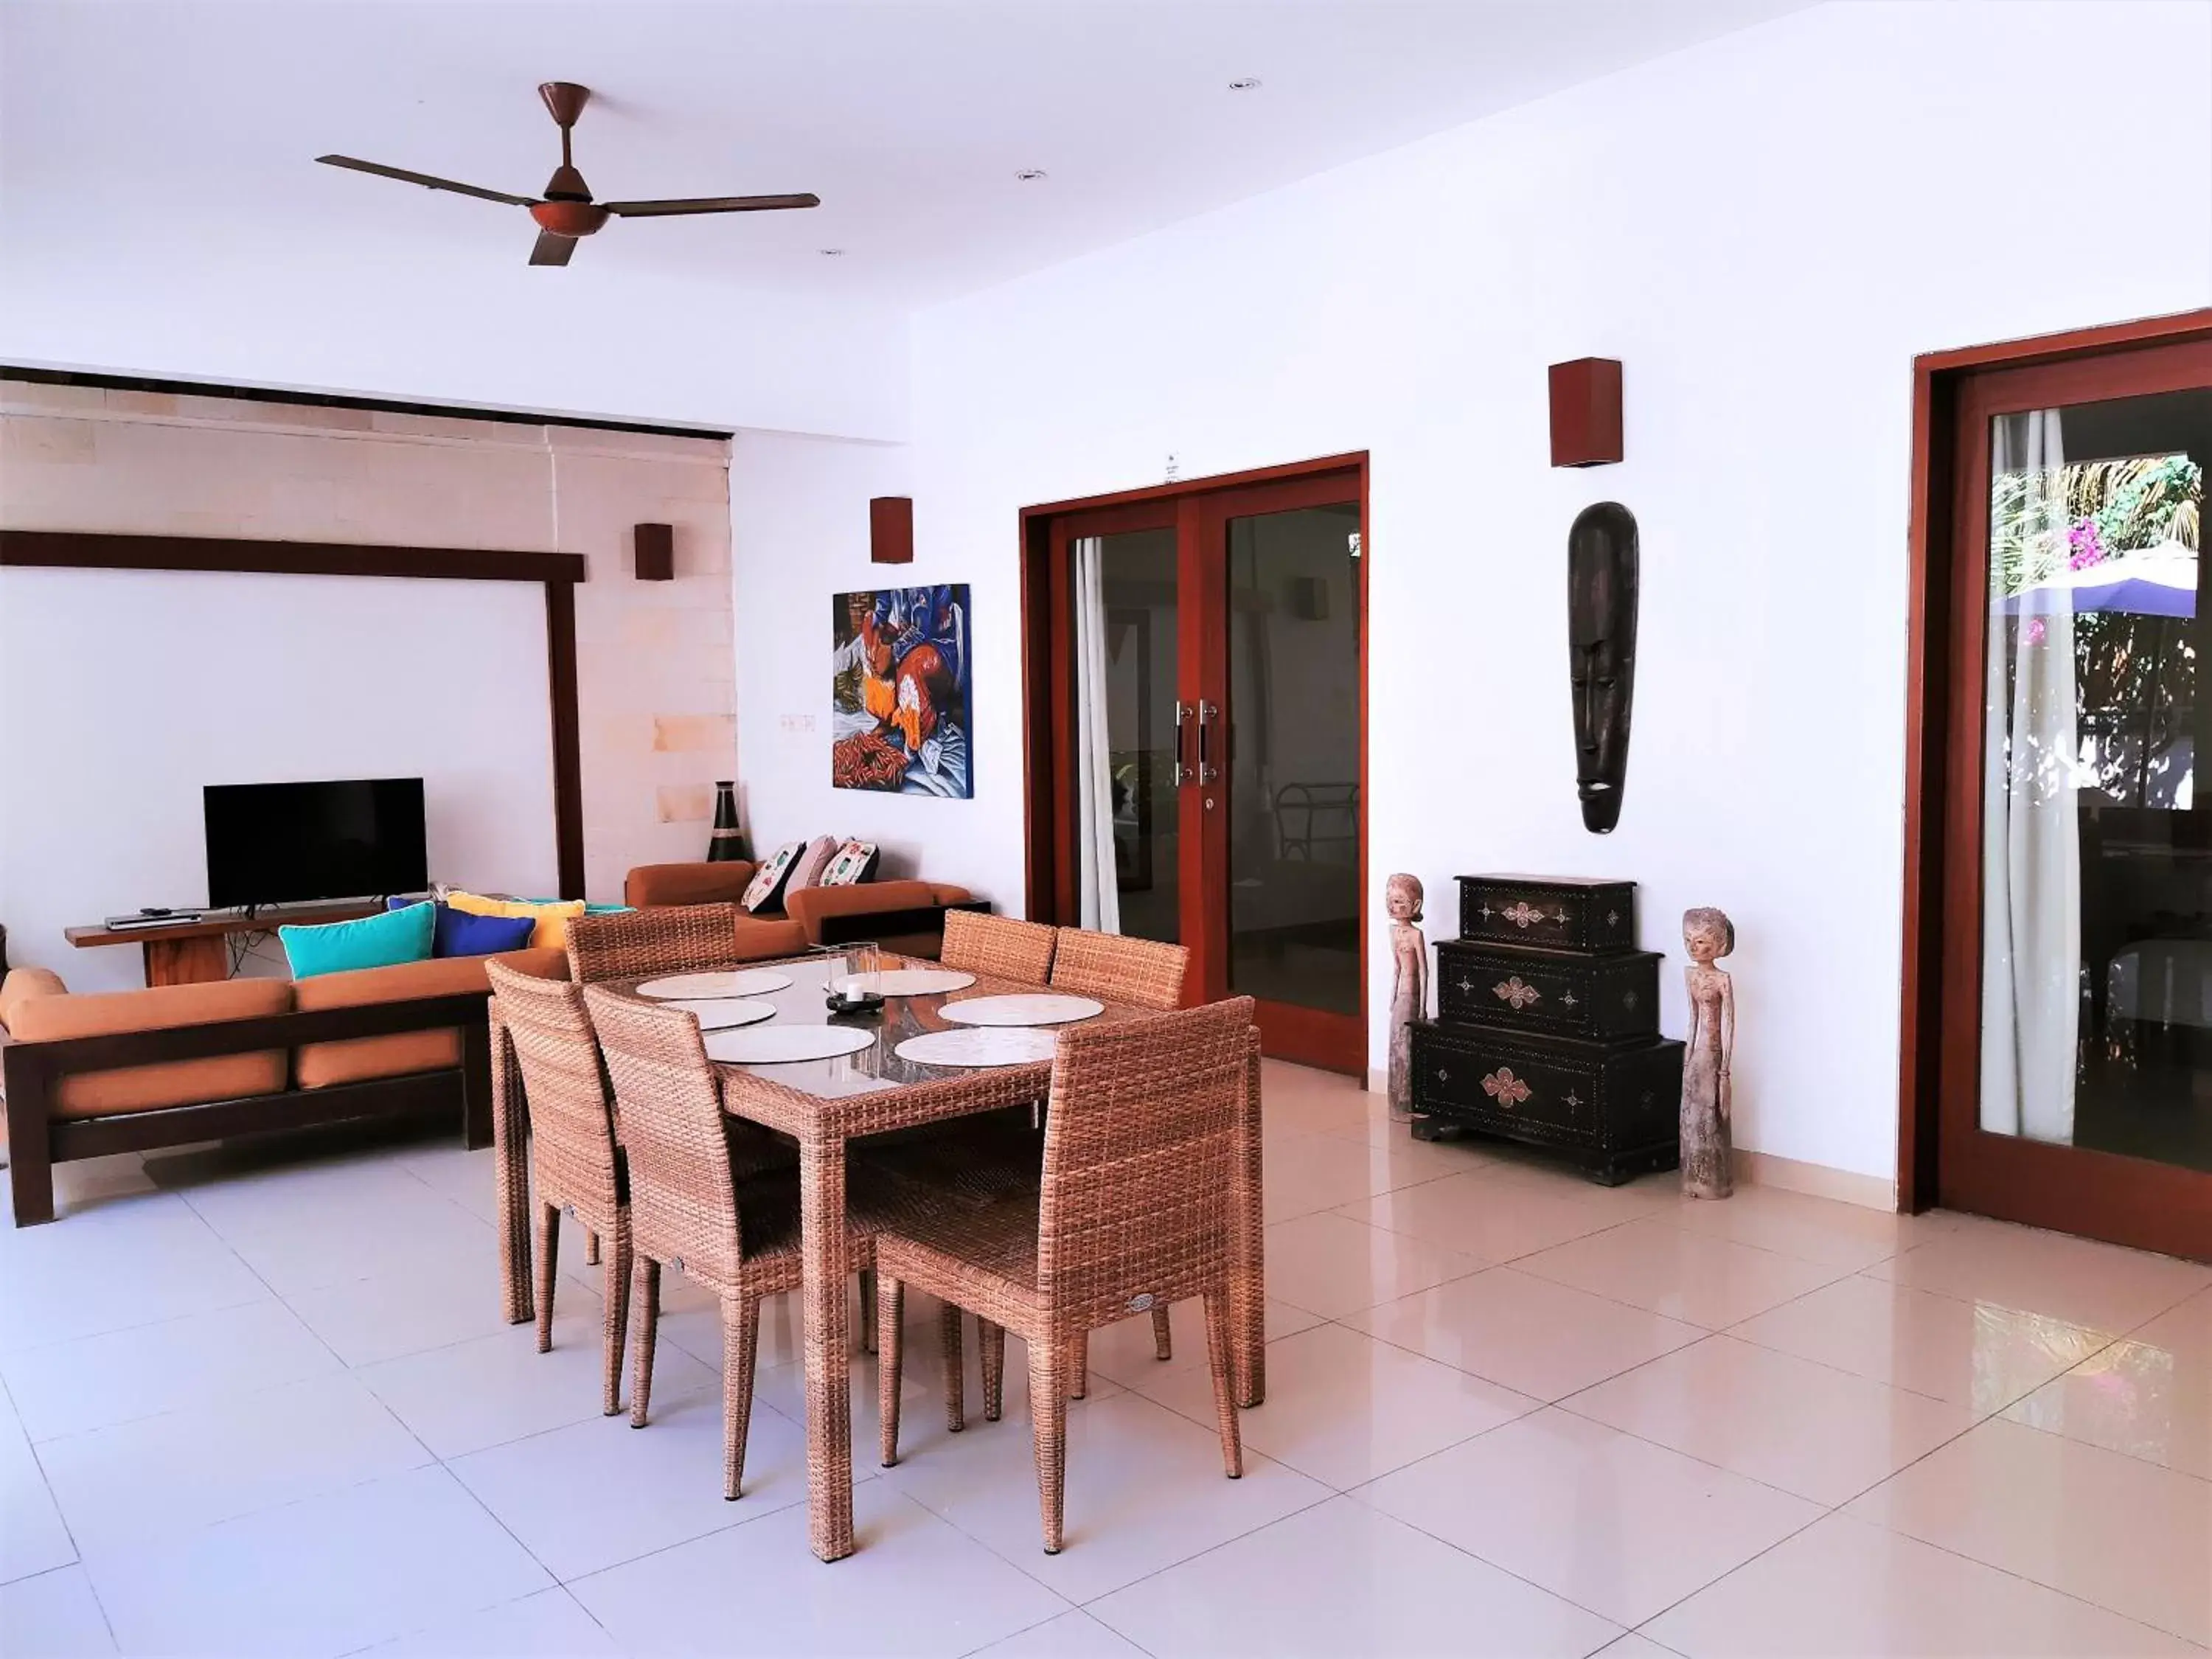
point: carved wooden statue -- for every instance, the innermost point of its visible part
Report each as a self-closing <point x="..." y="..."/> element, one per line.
<point x="1603" y="585"/>
<point x="1409" y="984"/>
<point x="1707" y="1103"/>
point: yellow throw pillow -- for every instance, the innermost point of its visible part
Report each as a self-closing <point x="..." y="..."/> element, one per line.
<point x="551" y="932"/>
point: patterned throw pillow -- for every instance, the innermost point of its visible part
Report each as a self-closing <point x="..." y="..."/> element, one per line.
<point x="807" y="872"/>
<point x="767" y="884"/>
<point x="854" y="863"/>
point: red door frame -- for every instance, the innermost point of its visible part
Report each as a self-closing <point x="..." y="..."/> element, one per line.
<point x="1196" y="509"/>
<point x="1942" y="1155"/>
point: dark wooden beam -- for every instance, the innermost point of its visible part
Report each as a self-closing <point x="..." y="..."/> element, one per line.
<point x="568" y="742"/>
<point x="90" y="550"/>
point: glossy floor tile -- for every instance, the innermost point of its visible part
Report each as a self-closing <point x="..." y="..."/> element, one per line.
<point x="2149" y="1395"/>
<point x="1145" y="1490"/>
<point x="1702" y="1280"/>
<point x="236" y="1456"/>
<point x="1613" y="1523"/>
<point x="1344" y="1578"/>
<point x="1971" y="1354"/>
<point x="324" y="1577"/>
<point x="95" y="1382"/>
<point x="1331" y="1265"/>
<point x="2098" y="1286"/>
<point x="34" y="1539"/>
<point x="1791" y="1224"/>
<point x="916" y="1585"/>
<point x="550" y="1625"/>
<point x="2130" y="1536"/>
<point x="1528" y="1333"/>
<point x="54" y="1615"/>
<point x="1485" y="1217"/>
<point x="1344" y="1407"/>
<point x="262" y="1400"/>
<point x="599" y="1492"/>
<point x="1841" y="1588"/>
<point x="1821" y="1433"/>
<point x="1073" y="1635"/>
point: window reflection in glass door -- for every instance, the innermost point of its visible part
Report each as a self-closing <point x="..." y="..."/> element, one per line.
<point x="2096" y="950"/>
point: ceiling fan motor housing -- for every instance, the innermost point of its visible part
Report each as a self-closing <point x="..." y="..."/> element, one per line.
<point x="568" y="218"/>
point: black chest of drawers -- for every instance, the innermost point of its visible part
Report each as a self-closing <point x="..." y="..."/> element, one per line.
<point x="1547" y="1027"/>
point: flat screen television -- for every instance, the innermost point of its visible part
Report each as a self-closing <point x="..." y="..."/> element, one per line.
<point x="281" y="843"/>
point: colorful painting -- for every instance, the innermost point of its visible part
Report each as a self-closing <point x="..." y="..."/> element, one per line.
<point x="900" y="692"/>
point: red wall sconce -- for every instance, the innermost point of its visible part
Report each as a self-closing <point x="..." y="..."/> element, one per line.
<point x="1586" y="412"/>
<point x="656" y="552"/>
<point x="890" y="530"/>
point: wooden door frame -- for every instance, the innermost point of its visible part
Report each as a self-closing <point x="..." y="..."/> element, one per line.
<point x="1940" y="902"/>
<point x="1048" y="701"/>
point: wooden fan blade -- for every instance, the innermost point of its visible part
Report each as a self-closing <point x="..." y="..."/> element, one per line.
<point x="425" y="180"/>
<point x="711" y="204"/>
<point x="552" y="249"/>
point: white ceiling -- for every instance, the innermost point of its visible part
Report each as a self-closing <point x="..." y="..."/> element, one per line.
<point x="199" y="118"/>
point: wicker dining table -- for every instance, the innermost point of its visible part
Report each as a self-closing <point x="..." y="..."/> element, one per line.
<point x="825" y="1105"/>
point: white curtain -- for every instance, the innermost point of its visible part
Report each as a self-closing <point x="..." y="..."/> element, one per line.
<point x="2031" y="833"/>
<point x="1098" y="889"/>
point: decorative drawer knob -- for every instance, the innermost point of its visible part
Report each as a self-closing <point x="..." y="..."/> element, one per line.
<point x="1443" y="1076"/>
<point x="1507" y="1090"/>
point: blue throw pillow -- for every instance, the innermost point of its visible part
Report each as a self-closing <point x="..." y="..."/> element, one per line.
<point x="458" y="933"/>
<point x="338" y="947"/>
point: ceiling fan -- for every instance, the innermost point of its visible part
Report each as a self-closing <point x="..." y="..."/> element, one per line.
<point x="567" y="210"/>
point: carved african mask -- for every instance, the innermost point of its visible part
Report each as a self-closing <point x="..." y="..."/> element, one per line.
<point x="1603" y="583"/>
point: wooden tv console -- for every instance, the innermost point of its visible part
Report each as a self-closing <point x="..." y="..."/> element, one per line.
<point x="194" y="953"/>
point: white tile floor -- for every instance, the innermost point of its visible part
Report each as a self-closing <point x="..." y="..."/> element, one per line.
<point x="265" y="1405"/>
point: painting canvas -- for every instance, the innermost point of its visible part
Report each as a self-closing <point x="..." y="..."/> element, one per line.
<point x="900" y="691"/>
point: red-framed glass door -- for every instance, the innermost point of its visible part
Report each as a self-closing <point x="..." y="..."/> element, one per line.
<point x="2076" y="1038"/>
<point x="1283" y="725"/>
<point x="1215" y="633"/>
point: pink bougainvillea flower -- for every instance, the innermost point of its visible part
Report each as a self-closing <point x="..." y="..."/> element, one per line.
<point x="2085" y="545"/>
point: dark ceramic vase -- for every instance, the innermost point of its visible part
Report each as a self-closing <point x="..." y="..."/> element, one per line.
<point x="727" y="844"/>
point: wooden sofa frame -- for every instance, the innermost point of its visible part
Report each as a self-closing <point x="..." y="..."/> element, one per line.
<point x="33" y="1072"/>
<point x="867" y="927"/>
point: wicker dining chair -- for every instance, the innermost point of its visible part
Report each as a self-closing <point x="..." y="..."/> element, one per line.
<point x="700" y="1204"/>
<point x="1133" y="1211"/>
<point x="999" y="946"/>
<point x="671" y="938"/>
<point x="1120" y="969"/>
<point x="575" y="1162"/>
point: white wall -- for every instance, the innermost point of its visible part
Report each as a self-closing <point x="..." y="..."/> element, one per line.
<point x="252" y="679"/>
<point x="1765" y="230"/>
<point x="798" y="510"/>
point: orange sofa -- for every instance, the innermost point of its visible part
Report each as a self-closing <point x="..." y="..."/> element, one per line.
<point x="905" y="916"/>
<point x="131" y="1071"/>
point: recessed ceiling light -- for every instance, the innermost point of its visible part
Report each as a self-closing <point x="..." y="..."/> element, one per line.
<point x="833" y="252"/>
<point x="1248" y="83"/>
<point x="1030" y="175"/>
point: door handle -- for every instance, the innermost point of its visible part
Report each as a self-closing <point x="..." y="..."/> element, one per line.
<point x="1207" y="713"/>
<point x="1183" y="773"/>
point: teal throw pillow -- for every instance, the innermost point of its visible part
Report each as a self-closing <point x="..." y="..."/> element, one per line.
<point x="380" y="941"/>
